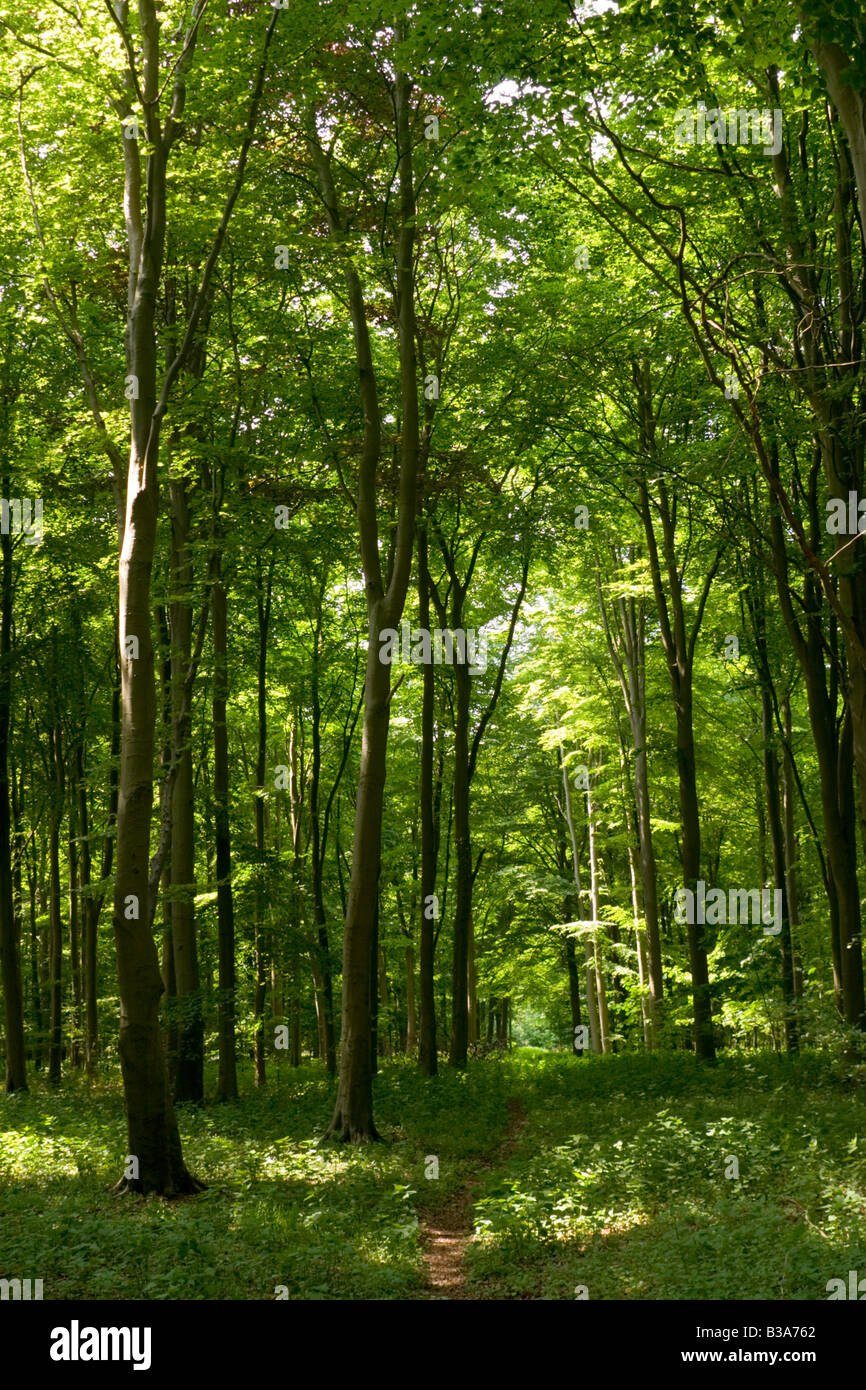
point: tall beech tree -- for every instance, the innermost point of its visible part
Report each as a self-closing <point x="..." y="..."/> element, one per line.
<point x="148" y="140"/>
<point x="385" y="595"/>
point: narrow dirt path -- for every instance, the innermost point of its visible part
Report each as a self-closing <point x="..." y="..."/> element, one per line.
<point x="446" y="1228"/>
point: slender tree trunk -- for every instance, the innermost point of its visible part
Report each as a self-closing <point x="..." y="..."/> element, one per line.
<point x="10" y="957"/>
<point x="19" y="843"/>
<point x="571" y="910"/>
<point x="88" y="930"/>
<point x="227" y="1081"/>
<point x="641" y="949"/>
<point x="93" y="904"/>
<point x="679" y="650"/>
<point x="260" y="946"/>
<point x="691" y="859"/>
<point x="35" y="980"/>
<point x="427" y="1057"/>
<point x="76" y="1049"/>
<point x="589" y="959"/>
<point x="791" y="846"/>
<point x="472" y="983"/>
<point x="55" y="925"/>
<point x="319" y="1001"/>
<point x="834" y="772"/>
<point x="385" y="1043"/>
<point x="626" y="643"/>
<point x="649" y="885"/>
<point x="189" y="1078"/>
<point x="463" y="861"/>
<point x="353" y="1113"/>
<point x="374" y="990"/>
<point x="774" y="816"/>
<point x="573" y="982"/>
<point x="502" y="1030"/>
<point x="679" y="647"/>
<point x="600" y="988"/>
<point x="411" y="1018"/>
<point x="325" y="992"/>
<point x="295" y="1030"/>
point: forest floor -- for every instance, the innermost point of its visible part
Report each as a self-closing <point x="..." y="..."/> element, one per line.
<point x="633" y="1177"/>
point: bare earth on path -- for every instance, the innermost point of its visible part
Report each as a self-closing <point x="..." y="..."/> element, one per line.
<point x="446" y="1229"/>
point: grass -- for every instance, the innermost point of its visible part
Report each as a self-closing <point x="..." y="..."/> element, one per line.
<point x="616" y="1183"/>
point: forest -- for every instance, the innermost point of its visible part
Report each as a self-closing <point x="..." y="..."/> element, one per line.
<point x="432" y="650"/>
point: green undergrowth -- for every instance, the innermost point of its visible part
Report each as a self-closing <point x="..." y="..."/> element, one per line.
<point x="616" y="1182"/>
<point x="623" y="1184"/>
<point x="279" y="1212"/>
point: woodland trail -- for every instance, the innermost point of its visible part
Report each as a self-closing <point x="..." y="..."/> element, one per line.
<point x="446" y="1228"/>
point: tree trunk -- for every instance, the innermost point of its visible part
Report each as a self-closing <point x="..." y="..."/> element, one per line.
<point x="374" y="989"/>
<point x="260" y="941"/>
<point x="189" y="1078"/>
<point x="791" y="847"/>
<point x="55" y="927"/>
<point x="679" y="655"/>
<point x="411" y="1020"/>
<point x="463" y="855"/>
<point x="153" y="1139"/>
<point x="600" y="988"/>
<point x="573" y="983"/>
<point x="833" y="750"/>
<point x="849" y="100"/>
<point x="353" y="1113"/>
<point x="385" y="1041"/>
<point x="227" y="1080"/>
<point x="502" y="1021"/>
<point x="76" y="1055"/>
<point x="10" y="957"/>
<point x="641" y="948"/>
<point x="626" y="643"/>
<point x="589" y="962"/>
<point x="319" y="1001"/>
<point x="427" y="1058"/>
<point x="154" y="1142"/>
<point x="93" y="904"/>
<point x="774" y="816"/>
<point x="35" y="974"/>
<point x="325" y="990"/>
